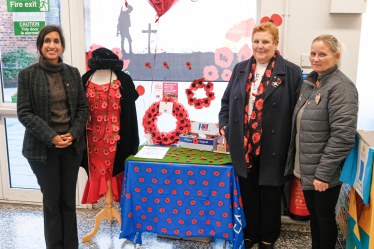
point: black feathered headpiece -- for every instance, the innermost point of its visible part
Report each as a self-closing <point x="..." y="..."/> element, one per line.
<point x="103" y="58"/>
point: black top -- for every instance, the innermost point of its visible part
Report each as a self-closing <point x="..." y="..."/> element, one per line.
<point x="129" y="136"/>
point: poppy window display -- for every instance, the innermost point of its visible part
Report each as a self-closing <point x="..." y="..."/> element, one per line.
<point x="203" y="102"/>
<point x="150" y="119"/>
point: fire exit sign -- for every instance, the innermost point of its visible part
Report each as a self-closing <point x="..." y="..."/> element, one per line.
<point x="28" y="5"/>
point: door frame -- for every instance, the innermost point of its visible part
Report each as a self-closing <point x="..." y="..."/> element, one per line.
<point x="72" y="23"/>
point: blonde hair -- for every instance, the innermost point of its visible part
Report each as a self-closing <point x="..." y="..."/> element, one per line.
<point x="267" y="27"/>
<point x="335" y="45"/>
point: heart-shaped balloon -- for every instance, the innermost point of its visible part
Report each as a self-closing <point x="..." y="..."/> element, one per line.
<point x="162" y="6"/>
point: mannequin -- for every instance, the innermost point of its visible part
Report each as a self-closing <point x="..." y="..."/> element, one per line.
<point x="112" y="128"/>
<point x="102" y="76"/>
<point x="109" y="212"/>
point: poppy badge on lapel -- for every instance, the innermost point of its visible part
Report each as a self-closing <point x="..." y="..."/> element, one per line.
<point x="277" y="83"/>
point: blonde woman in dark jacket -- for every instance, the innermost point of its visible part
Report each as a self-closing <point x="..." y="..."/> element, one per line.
<point x="323" y="134"/>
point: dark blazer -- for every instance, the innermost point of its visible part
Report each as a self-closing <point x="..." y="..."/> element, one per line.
<point x="34" y="110"/>
<point x="129" y="135"/>
<point x="277" y="112"/>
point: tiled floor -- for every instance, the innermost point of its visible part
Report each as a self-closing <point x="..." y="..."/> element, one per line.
<point x="22" y="227"/>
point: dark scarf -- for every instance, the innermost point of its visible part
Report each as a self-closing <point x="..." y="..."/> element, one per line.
<point x="253" y="123"/>
<point x="50" y="67"/>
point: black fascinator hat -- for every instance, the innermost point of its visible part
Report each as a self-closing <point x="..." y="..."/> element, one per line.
<point x="103" y="58"/>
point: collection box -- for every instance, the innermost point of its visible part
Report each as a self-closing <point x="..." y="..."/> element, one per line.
<point x="193" y="142"/>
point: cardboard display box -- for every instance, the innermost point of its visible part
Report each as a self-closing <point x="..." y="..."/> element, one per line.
<point x="208" y="144"/>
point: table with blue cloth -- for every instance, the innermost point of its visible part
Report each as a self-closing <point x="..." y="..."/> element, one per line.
<point x="184" y="200"/>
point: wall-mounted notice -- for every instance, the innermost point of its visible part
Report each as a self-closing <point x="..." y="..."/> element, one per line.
<point x="28" y="28"/>
<point x="158" y="90"/>
<point x="28" y="5"/>
<point x="170" y="90"/>
<point x="362" y="159"/>
<point x="28" y="23"/>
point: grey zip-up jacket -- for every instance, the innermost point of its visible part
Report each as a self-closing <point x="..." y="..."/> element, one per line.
<point x="327" y="128"/>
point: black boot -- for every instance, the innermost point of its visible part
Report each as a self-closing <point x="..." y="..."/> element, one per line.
<point x="248" y="243"/>
<point x="265" y="246"/>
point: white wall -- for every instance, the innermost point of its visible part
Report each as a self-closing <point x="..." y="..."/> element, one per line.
<point x="365" y="84"/>
<point x="311" y="18"/>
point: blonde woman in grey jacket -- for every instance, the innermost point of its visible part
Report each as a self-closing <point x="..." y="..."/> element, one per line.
<point x="323" y="134"/>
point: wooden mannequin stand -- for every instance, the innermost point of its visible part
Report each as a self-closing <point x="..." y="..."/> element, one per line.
<point x="109" y="212"/>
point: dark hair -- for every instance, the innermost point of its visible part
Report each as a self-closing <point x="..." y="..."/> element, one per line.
<point x="104" y="53"/>
<point x="46" y="30"/>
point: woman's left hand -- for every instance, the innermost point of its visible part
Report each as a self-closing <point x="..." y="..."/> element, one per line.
<point x="320" y="186"/>
<point x="68" y="137"/>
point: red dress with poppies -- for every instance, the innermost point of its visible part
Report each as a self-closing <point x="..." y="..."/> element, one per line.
<point x="102" y="134"/>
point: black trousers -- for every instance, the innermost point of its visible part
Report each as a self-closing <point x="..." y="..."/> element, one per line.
<point x="57" y="179"/>
<point x="321" y="206"/>
<point x="262" y="207"/>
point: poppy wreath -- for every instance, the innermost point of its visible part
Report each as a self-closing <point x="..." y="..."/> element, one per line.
<point x="204" y="102"/>
<point x="166" y="138"/>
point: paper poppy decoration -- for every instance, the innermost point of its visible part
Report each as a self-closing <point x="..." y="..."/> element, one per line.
<point x="204" y="102"/>
<point x="140" y="89"/>
<point x="188" y="65"/>
<point x="166" y="65"/>
<point x="275" y="19"/>
<point x="148" y="65"/>
<point x="150" y="119"/>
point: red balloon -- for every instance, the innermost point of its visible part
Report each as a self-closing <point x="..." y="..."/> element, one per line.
<point x="162" y="6"/>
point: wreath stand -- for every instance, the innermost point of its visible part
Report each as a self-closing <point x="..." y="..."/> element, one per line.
<point x="109" y="212"/>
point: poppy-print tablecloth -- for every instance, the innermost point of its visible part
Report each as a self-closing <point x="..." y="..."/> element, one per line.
<point x="181" y="200"/>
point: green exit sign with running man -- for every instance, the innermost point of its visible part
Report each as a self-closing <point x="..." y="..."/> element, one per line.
<point x="28" y="5"/>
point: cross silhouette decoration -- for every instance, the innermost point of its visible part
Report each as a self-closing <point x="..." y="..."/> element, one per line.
<point x="149" y="31"/>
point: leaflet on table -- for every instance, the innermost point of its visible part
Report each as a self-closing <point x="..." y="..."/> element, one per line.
<point x="152" y="152"/>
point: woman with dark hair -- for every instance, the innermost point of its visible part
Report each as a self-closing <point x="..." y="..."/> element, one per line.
<point x="51" y="105"/>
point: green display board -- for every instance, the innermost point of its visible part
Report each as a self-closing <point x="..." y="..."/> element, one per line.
<point x="28" y="5"/>
<point x="28" y="27"/>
